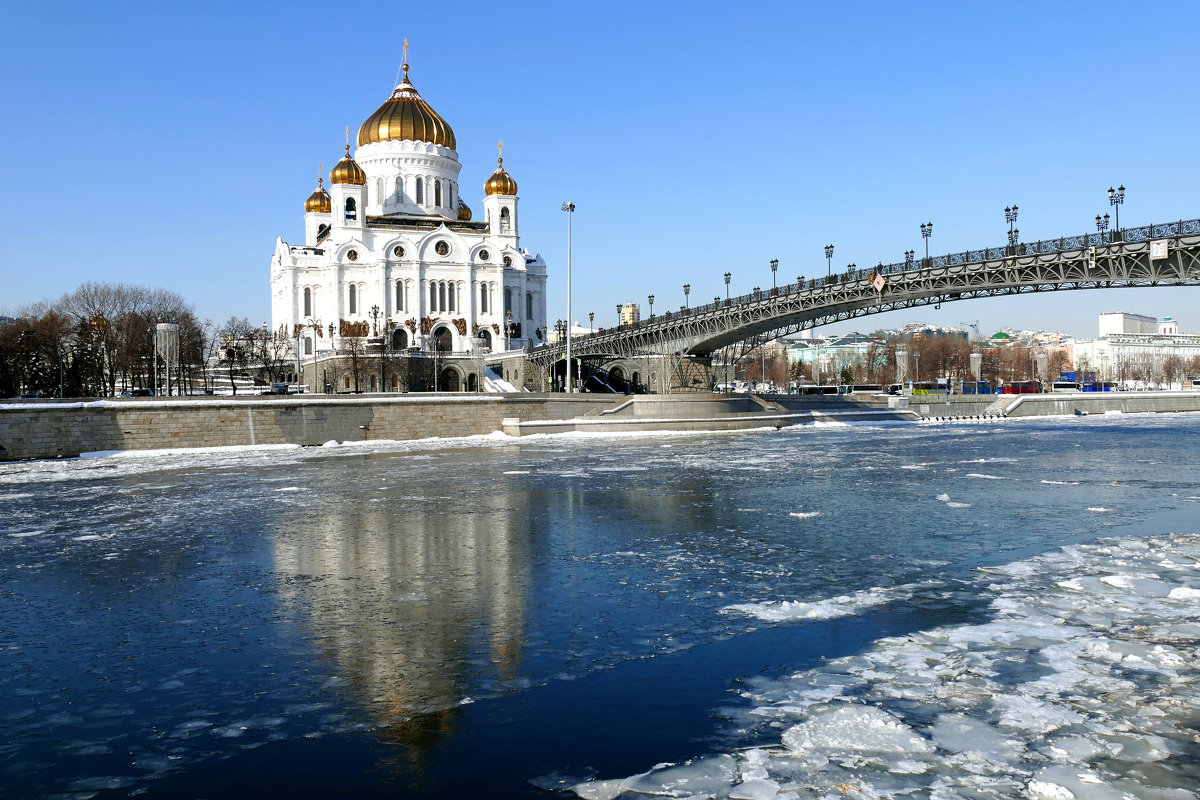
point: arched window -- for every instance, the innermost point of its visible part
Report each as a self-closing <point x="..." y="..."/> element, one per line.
<point x="449" y="195"/>
<point x="432" y="296"/>
<point x="351" y="209"/>
<point x="347" y="381"/>
<point x="353" y="299"/>
<point x="399" y="295"/>
<point x="452" y="290"/>
<point x="420" y="191"/>
<point x="307" y="302"/>
<point x="443" y="341"/>
<point x="379" y="195"/>
<point x="505" y="220"/>
<point x="486" y="337"/>
<point x="437" y="193"/>
<point x="308" y="345"/>
<point x="529" y="305"/>
<point x="441" y="297"/>
<point x="507" y="300"/>
<point x="483" y="298"/>
<point x="399" y="339"/>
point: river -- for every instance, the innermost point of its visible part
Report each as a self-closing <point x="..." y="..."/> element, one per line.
<point x="1001" y="609"/>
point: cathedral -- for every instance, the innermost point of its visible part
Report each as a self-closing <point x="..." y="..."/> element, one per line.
<point x="394" y="257"/>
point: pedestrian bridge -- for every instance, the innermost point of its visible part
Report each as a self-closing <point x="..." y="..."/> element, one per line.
<point x="1152" y="255"/>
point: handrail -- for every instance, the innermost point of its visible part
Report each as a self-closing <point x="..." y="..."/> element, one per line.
<point x="1041" y="247"/>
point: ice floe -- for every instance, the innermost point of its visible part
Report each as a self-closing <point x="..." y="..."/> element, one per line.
<point x="1083" y="685"/>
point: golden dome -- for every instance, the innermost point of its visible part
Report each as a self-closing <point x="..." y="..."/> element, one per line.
<point x="464" y="211"/>
<point x="405" y="116"/>
<point x="347" y="171"/>
<point x="318" y="202"/>
<point x="500" y="182"/>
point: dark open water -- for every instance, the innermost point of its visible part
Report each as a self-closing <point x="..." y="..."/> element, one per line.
<point x="887" y="611"/>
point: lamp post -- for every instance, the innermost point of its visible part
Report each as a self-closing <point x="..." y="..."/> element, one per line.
<point x="618" y="315"/>
<point x="926" y="232"/>
<point x="1102" y="225"/>
<point x="687" y="289"/>
<point x="299" y="369"/>
<point x="727" y="288"/>
<point x="570" y="209"/>
<point x="374" y="320"/>
<point x="909" y="255"/>
<point x="651" y="299"/>
<point x="828" y="260"/>
<point x="1116" y="200"/>
<point x="774" y="269"/>
<point x="1010" y="216"/>
<point x="591" y="319"/>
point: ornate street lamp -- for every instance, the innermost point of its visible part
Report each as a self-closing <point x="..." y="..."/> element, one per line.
<point x="828" y="260"/>
<point x="591" y="319"/>
<point x="1010" y="216"/>
<point x="374" y="320"/>
<point x="909" y="255"/>
<point x="727" y="287"/>
<point x="687" y="289"/>
<point x="570" y="209"/>
<point x="1102" y="225"/>
<point x="651" y="299"/>
<point x="618" y="315"/>
<point x="926" y="232"/>
<point x="1116" y="200"/>
<point x="774" y="268"/>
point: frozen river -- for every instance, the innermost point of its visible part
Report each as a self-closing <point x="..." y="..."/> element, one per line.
<point x="1009" y="609"/>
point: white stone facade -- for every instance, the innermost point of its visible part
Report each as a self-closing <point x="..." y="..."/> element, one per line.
<point x="396" y="258"/>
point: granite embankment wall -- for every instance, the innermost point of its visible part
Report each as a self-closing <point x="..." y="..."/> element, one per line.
<point x="1058" y="404"/>
<point x="48" y="429"/>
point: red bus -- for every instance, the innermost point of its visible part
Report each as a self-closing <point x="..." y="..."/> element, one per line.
<point x="1022" y="387"/>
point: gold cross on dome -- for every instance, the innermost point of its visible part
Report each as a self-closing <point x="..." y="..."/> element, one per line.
<point x="406" y="51"/>
<point x="500" y="150"/>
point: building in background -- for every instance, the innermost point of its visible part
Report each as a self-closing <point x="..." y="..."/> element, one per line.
<point x="1139" y="351"/>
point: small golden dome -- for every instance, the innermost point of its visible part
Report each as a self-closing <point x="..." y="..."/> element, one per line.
<point x="347" y="171"/>
<point x="318" y="202"/>
<point x="405" y="116"/>
<point x="464" y="211"/>
<point x="500" y="182"/>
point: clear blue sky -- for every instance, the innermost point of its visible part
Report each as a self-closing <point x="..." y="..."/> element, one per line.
<point x="167" y="145"/>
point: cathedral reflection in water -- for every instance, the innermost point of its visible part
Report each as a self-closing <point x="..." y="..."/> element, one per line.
<point x="416" y="602"/>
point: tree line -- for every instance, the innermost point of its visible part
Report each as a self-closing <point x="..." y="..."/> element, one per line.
<point x="99" y="340"/>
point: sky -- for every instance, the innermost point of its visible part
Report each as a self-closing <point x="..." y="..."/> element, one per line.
<point x="167" y="145"/>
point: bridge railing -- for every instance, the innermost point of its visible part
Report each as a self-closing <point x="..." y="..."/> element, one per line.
<point x="1040" y="247"/>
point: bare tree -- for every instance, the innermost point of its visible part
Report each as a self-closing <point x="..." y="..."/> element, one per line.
<point x="236" y="343"/>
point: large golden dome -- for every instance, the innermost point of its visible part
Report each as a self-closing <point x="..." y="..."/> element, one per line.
<point x="406" y="117"/>
<point x="464" y="211"/>
<point x="347" y="171"/>
<point x="500" y="182"/>
<point x="318" y="201"/>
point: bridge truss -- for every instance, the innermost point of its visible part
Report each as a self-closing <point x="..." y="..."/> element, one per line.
<point x="1153" y="255"/>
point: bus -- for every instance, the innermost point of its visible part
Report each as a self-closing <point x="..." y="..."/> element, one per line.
<point x="977" y="387"/>
<point x="1098" y="386"/>
<point x="1064" y="386"/>
<point x="930" y="387"/>
<point x="1022" y="387"/>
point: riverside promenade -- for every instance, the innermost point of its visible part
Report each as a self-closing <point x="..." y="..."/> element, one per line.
<point x="63" y="429"/>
